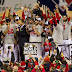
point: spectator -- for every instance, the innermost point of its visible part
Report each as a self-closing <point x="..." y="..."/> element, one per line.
<point x="15" y="69"/>
<point x="36" y="69"/>
<point x="23" y="66"/>
<point x="5" y="67"/>
<point x="19" y="70"/>
<point x="46" y="64"/>
<point x="29" y="70"/>
<point x="1" y="65"/>
<point x="3" y="71"/>
<point x="9" y="69"/>
<point x="70" y="68"/>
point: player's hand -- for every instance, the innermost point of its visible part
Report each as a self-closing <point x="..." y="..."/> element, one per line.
<point x="2" y="36"/>
<point x="26" y="27"/>
<point x="33" y="58"/>
<point x="8" y="25"/>
<point x="48" y="9"/>
<point x="40" y="58"/>
<point x="42" y="45"/>
<point x="39" y="2"/>
<point x="56" y="6"/>
<point x="30" y="56"/>
<point x="36" y="67"/>
<point x="65" y="7"/>
<point x="59" y="61"/>
<point x="41" y="66"/>
<point x="1" y="42"/>
<point x="17" y="29"/>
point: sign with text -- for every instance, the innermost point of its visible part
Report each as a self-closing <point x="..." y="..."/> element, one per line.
<point x="32" y="48"/>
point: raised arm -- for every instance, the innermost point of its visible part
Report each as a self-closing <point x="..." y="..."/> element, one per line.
<point x="67" y="13"/>
<point x="9" y="13"/>
<point x="13" y="10"/>
<point x="44" y="13"/>
<point x="3" y="17"/>
<point x="57" y="9"/>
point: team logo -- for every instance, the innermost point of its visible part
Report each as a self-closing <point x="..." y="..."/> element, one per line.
<point x="10" y="31"/>
<point x="62" y="3"/>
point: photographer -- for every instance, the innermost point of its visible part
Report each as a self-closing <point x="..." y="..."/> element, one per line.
<point x="38" y="69"/>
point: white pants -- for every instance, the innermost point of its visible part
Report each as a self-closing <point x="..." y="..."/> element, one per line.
<point x="7" y="52"/>
<point x="60" y="49"/>
<point x="1" y="56"/>
<point x="16" y="49"/>
<point x="65" y="49"/>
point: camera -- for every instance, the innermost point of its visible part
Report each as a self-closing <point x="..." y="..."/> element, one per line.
<point x="38" y="66"/>
<point x="56" y="61"/>
<point x="53" y="44"/>
<point x="31" y="63"/>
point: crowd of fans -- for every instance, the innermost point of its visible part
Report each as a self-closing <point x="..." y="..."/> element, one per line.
<point x="48" y="64"/>
<point x="34" y="26"/>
